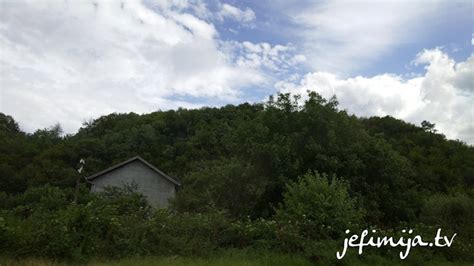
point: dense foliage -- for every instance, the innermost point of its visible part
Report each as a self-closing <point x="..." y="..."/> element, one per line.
<point x="321" y="204"/>
<point x="245" y="166"/>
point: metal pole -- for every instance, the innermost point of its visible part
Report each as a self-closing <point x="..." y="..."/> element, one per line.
<point x="78" y="180"/>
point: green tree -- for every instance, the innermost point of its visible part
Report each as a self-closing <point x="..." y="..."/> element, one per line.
<point x="228" y="185"/>
<point x="427" y="126"/>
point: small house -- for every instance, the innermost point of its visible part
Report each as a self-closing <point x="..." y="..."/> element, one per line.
<point x="156" y="186"/>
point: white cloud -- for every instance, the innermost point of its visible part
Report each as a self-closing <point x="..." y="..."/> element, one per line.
<point x="237" y="14"/>
<point x="347" y="36"/>
<point x="443" y="95"/>
<point x="277" y="59"/>
<point x="68" y="61"/>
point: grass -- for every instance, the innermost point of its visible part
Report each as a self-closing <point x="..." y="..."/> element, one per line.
<point x="228" y="258"/>
<point x="237" y="258"/>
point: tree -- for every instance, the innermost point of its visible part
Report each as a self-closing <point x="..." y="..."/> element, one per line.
<point x="428" y="127"/>
<point x="8" y="124"/>
<point x="228" y="185"/>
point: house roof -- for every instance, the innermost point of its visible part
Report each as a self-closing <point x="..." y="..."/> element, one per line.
<point x="172" y="180"/>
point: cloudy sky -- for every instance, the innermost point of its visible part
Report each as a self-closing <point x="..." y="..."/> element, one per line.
<point x="64" y="61"/>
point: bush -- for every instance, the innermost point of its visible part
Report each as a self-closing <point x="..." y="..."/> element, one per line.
<point x="187" y="234"/>
<point x="454" y="214"/>
<point x="209" y="185"/>
<point x="320" y="206"/>
<point x="39" y="199"/>
<point x="43" y="223"/>
<point x="3" y="234"/>
<point x="315" y="211"/>
<point x="456" y="211"/>
<point x="116" y="223"/>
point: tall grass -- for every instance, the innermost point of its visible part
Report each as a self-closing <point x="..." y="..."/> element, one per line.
<point x="235" y="257"/>
<point x="227" y="258"/>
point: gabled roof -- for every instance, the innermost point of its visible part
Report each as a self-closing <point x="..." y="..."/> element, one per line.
<point x="172" y="180"/>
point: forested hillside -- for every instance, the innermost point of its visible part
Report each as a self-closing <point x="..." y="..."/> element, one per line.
<point x="240" y="160"/>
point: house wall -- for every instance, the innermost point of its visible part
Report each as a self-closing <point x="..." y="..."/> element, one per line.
<point x="151" y="184"/>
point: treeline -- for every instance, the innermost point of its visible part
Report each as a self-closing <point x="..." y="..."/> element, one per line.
<point x="240" y="161"/>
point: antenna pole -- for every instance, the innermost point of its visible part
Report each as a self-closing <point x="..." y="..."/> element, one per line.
<point x="78" y="180"/>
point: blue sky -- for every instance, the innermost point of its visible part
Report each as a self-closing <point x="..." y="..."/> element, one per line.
<point x="449" y="26"/>
<point x="68" y="62"/>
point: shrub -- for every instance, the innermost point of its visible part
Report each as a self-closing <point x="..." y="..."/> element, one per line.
<point x="208" y="188"/>
<point x="39" y="199"/>
<point x="320" y="206"/>
<point x="187" y="234"/>
<point x="45" y="224"/>
<point x="454" y="214"/>
<point x="456" y="211"/>
<point x="3" y="233"/>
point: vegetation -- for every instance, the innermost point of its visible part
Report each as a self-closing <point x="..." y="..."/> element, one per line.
<point x="229" y="258"/>
<point x="321" y="203"/>
<point x="286" y="177"/>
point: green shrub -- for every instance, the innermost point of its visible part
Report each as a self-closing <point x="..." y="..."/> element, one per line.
<point x="320" y="206"/>
<point x="187" y="234"/>
<point x="125" y="200"/>
<point x="45" y="224"/>
<point x="260" y="234"/>
<point x="456" y="211"/>
<point x="454" y="214"/>
<point x="119" y="223"/>
<point x="39" y="199"/>
<point x="3" y="234"/>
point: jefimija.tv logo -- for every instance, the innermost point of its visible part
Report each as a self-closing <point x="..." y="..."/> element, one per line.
<point x="356" y="241"/>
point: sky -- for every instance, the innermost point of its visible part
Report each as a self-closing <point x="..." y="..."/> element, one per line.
<point x="68" y="62"/>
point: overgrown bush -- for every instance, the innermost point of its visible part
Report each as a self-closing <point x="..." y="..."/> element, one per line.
<point x="116" y="223"/>
<point x="186" y="234"/>
<point x="39" y="200"/>
<point x="43" y="223"/>
<point x="209" y="185"/>
<point x="454" y="214"/>
<point x="119" y="223"/>
<point x="455" y="211"/>
<point x="320" y="205"/>
<point x="3" y="234"/>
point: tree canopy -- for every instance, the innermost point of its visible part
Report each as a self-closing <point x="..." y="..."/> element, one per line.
<point x="239" y="159"/>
